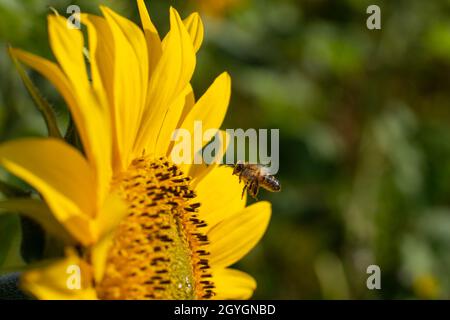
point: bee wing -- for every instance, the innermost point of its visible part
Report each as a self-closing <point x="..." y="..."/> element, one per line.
<point x="264" y="169"/>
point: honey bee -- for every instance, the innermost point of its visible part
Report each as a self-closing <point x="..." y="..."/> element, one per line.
<point x="255" y="176"/>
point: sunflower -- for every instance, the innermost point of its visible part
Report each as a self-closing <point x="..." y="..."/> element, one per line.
<point x="136" y="225"/>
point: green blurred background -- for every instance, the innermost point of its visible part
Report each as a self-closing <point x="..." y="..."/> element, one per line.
<point x="364" y="123"/>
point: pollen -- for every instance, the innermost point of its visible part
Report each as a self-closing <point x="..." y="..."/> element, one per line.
<point x="159" y="250"/>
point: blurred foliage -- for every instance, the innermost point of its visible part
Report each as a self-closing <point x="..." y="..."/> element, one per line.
<point x="364" y="132"/>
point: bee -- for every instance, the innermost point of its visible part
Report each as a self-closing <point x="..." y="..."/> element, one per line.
<point x="255" y="176"/>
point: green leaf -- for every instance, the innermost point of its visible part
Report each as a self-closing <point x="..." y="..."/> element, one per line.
<point x="33" y="240"/>
<point x="72" y="136"/>
<point x="39" y="212"/>
<point x="9" y="229"/>
<point x="42" y="105"/>
<point x="10" y="191"/>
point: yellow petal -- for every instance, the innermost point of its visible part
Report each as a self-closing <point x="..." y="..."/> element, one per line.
<point x="42" y="105"/>
<point x="61" y="174"/>
<point x="55" y="75"/>
<point x="188" y="105"/>
<point x="58" y="280"/>
<point x="219" y="193"/>
<point x="67" y="46"/>
<point x="199" y="171"/>
<point x="211" y="107"/>
<point x="151" y="36"/>
<point x="170" y="79"/>
<point x="101" y="57"/>
<point x="194" y="26"/>
<point x="112" y="212"/>
<point x="235" y="236"/>
<point x="99" y="255"/>
<point x="90" y="116"/>
<point x="170" y="121"/>
<point x="233" y="284"/>
<point x="101" y="51"/>
<point x="189" y="102"/>
<point x="51" y="71"/>
<point x="39" y="212"/>
<point x="71" y="81"/>
<point x="130" y="81"/>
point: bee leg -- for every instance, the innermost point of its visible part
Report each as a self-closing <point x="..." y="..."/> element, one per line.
<point x="243" y="191"/>
<point x="251" y="190"/>
<point x="255" y="190"/>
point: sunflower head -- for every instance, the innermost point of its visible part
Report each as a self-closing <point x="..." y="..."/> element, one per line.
<point x="160" y="246"/>
<point x="135" y="224"/>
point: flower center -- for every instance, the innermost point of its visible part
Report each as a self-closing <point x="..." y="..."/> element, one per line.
<point x="158" y="249"/>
